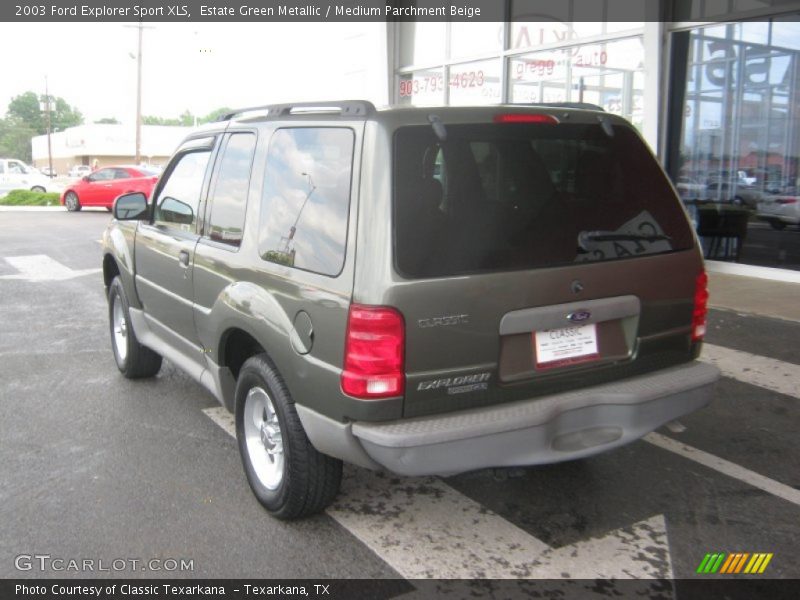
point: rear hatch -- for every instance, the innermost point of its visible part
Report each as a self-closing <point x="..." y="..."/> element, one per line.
<point x="546" y="254"/>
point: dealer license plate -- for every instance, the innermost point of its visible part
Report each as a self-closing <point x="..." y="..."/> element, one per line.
<point x="567" y="346"/>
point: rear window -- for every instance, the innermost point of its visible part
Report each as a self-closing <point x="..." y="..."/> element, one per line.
<point x="520" y="196"/>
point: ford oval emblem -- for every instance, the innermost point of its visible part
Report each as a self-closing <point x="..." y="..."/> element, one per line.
<point x="579" y="316"/>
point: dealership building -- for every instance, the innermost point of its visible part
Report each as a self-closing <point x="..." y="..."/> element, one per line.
<point x="712" y="85"/>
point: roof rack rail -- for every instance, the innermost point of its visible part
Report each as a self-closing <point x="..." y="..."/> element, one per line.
<point x="344" y="108"/>
<point x="581" y="105"/>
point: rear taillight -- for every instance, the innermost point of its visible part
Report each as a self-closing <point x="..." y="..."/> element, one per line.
<point x="374" y="353"/>
<point x="786" y="200"/>
<point x="700" y="307"/>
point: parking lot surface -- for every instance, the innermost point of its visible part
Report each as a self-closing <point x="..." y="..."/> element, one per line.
<point x="99" y="467"/>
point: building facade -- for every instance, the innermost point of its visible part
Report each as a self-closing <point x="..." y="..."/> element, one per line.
<point x="106" y="144"/>
<point x="713" y="86"/>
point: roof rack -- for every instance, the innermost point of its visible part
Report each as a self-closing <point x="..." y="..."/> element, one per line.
<point x="580" y="105"/>
<point x="343" y="108"/>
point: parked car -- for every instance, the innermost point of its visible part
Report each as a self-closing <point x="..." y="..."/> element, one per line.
<point x="690" y="189"/>
<point x="104" y="185"/>
<point x="541" y="298"/>
<point x="779" y="210"/>
<point x="80" y="171"/>
<point x="16" y="175"/>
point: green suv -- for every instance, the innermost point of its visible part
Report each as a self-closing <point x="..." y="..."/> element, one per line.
<point x="424" y="290"/>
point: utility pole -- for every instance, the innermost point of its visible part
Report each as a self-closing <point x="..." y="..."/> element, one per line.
<point x="140" y="26"/>
<point x="139" y="97"/>
<point x="49" y="128"/>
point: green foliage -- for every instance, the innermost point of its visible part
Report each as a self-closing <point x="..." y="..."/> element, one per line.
<point x="28" y="198"/>
<point x="107" y="121"/>
<point x="282" y="258"/>
<point x="25" y="119"/>
<point x="15" y="140"/>
<point x="186" y="118"/>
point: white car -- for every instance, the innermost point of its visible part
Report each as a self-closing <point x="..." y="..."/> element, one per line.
<point x="16" y="175"/>
<point x="780" y="210"/>
<point x="80" y="171"/>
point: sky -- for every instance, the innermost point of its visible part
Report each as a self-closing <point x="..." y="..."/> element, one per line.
<point x="190" y="66"/>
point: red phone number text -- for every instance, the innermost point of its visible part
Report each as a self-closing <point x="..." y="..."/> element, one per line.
<point x="435" y="83"/>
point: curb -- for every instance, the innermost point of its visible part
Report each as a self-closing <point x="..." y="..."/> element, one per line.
<point x="10" y="208"/>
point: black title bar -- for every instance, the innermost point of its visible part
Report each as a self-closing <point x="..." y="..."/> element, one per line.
<point x="373" y="10"/>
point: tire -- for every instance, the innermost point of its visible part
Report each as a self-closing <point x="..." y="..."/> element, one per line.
<point x="286" y="473"/>
<point x="776" y="224"/>
<point x="71" y="202"/>
<point x="39" y="189"/>
<point x="133" y="360"/>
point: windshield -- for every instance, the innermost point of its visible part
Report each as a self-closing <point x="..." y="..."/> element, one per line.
<point x="510" y="196"/>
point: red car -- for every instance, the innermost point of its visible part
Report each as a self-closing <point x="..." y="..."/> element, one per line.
<point x="104" y="185"/>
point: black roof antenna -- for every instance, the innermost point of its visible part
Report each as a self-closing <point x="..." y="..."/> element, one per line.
<point x="605" y="123"/>
<point x="438" y="127"/>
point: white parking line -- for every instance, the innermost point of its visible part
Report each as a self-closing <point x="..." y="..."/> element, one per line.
<point x="768" y="373"/>
<point x="423" y="528"/>
<point x="40" y="267"/>
<point x="725" y="467"/>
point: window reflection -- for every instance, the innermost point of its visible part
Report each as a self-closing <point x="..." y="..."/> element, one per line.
<point x="306" y="198"/>
<point x="736" y="164"/>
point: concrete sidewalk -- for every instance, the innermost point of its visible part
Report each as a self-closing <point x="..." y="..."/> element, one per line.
<point x="754" y="290"/>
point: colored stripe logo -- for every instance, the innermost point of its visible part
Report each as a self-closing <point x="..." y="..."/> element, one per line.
<point x="734" y="563"/>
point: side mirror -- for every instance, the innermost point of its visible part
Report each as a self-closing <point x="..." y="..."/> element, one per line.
<point x="130" y="207"/>
<point x="86" y="178"/>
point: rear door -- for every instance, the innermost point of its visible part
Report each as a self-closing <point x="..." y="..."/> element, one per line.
<point x="545" y="256"/>
<point x="165" y="247"/>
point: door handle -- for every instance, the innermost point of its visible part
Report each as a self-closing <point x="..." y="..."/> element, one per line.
<point x="183" y="258"/>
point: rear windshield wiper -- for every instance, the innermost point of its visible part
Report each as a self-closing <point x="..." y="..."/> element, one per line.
<point x="612" y="236"/>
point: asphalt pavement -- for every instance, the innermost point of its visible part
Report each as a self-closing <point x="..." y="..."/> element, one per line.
<point x="96" y="467"/>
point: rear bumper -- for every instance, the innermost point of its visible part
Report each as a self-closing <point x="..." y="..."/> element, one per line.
<point x="542" y="430"/>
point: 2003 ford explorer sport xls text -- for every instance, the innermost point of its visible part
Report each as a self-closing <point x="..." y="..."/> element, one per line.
<point x="427" y="291"/>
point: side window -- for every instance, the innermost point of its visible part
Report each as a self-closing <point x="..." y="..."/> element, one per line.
<point x="102" y="175"/>
<point x="178" y="199"/>
<point x="16" y="168"/>
<point x="121" y="174"/>
<point x="306" y="198"/>
<point x="229" y="198"/>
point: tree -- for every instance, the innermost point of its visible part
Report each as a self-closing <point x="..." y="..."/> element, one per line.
<point x="186" y="118"/>
<point x="15" y="140"/>
<point x="151" y="120"/>
<point x="26" y="110"/>
<point x="26" y="119"/>
<point x="215" y="114"/>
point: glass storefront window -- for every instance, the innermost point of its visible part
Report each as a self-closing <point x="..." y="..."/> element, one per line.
<point x="734" y="158"/>
<point x="422" y="43"/>
<point x="536" y="23"/>
<point x="424" y="87"/>
<point x="608" y="74"/>
<point x="700" y="10"/>
<point x="475" y="83"/>
<point x="474" y="39"/>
